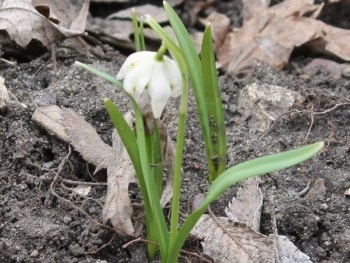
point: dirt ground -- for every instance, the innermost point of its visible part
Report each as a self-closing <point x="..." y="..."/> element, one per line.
<point x="36" y="226"/>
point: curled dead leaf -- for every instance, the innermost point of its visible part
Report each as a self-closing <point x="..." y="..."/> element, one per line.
<point x="22" y="22"/>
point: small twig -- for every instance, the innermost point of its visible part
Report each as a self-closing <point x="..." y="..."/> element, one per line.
<point x="217" y="221"/>
<point x="8" y="62"/>
<point x="52" y="190"/>
<point x="313" y="113"/>
<point x="82" y="196"/>
<point x="194" y="254"/>
<point x="36" y="72"/>
<point x="103" y="246"/>
<point x="82" y="183"/>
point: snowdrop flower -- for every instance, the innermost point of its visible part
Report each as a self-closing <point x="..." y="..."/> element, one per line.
<point x="161" y="78"/>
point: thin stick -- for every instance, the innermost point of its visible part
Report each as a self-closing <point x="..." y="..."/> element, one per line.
<point x="52" y="190"/>
<point x="82" y="183"/>
<point x="103" y="246"/>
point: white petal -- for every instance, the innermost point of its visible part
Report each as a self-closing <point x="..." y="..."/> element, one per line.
<point x="159" y="89"/>
<point x="132" y="61"/>
<point x="173" y="73"/>
<point x="136" y="80"/>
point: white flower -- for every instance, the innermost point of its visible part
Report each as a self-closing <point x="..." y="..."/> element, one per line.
<point x="161" y="78"/>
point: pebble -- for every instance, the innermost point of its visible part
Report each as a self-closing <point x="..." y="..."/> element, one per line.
<point x="345" y="70"/>
<point x="45" y="99"/>
<point x="67" y="219"/>
<point x="324" y="207"/>
<point x="35" y="253"/>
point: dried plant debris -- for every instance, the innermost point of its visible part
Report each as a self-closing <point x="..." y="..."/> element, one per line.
<point x="85" y="139"/>
<point x="225" y="241"/>
<point x="51" y="119"/>
<point x="118" y="29"/>
<point x="24" y="21"/>
<point x="246" y="207"/>
<point x="4" y="95"/>
<point x="117" y="208"/>
<point x="271" y="33"/>
<point x="72" y="128"/>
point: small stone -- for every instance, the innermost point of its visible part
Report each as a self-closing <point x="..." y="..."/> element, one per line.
<point x="317" y="191"/>
<point x="345" y="70"/>
<point x="324" y="207"/>
<point x="76" y="250"/>
<point x="48" y="165"/>
<point x="67" y="219"/>
<point x="35" y="253"/>
<point x="45" y="99"/>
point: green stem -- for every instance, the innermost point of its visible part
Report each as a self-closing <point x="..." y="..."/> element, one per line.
<point x="175" y="205"/>
<point x="161" y="52"/>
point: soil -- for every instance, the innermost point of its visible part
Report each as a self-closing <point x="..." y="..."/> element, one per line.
<point x="37" y="226"/>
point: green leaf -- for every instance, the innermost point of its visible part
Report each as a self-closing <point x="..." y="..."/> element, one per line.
<point x="195" y="71"/>
<point x="125" y="132"/>
<point x="156" y="209"/>
<point x="101" y="74"/>
<point x="231" y="176"/>
<point x="156" y="158"/>
<point x="218" y="155"/>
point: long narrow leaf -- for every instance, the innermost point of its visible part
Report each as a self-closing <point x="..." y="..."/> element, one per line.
<point x="214" y="106"/>
<point x="255" y="167"/>
<point x="162" y="230"/>
<point x="195" y="72"/>
<point x="101" y="74"/>
<point x="125" y="132"/>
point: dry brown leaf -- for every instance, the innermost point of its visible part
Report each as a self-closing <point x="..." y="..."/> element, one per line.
<point x="253" y="7"/>
<point x="272" y="33"/>
<point x="225" y="241"/>
<point x="23" y="23"/>
<point x="287" y="251"/>
<point x="85" y="139"/>
<point x="117" y="208"/>
<point x="50" y="118"/>
<point x="238" y="243"/>
<point x="4" y="95"/>
<point x="246" y="207"/>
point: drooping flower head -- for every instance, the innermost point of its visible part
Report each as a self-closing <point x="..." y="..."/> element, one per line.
<point x="161" y="78"/>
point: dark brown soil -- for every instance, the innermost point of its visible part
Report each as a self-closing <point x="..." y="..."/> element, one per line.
<point x="36" y="226"/>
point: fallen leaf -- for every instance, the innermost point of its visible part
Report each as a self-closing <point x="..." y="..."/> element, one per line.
<point x="72" y="128"/>
<point x="225" y="241"/>
<point x="50" y="118"/>
<point x="271" y="34"/>
<point x="117" y="208"/>
<point x="287" y="251"/>
<point x="232" y="242"/>
<point x="246" y="207"/>
<point x="23" y="23"/>
<point x="4" y="95"/>
<point x="85" y="139"/>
